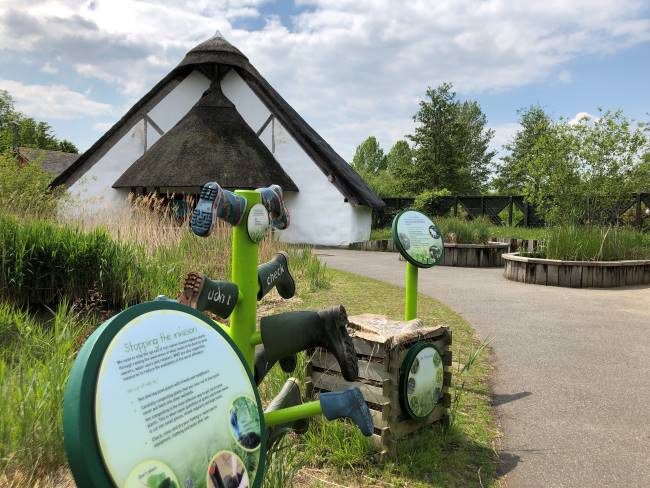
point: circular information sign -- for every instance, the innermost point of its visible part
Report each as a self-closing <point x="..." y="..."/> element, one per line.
<point x="418" y="239"/>
<point x="172" y="404"/>
<point x="258" y="222"/>
<point x="421" y="380"/>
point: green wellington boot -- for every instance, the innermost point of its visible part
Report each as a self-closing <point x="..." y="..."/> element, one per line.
<point x="202" y="293"/>
<point x="275" y="273"/>
<point x="262" y="365"/>
<point x="291" y="332"/>
<point x="289" y="396"/>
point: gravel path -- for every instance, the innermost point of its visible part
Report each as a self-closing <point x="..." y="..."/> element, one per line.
<point x="571" y="387"/>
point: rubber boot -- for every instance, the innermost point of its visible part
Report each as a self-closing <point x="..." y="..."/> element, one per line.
<point x="216" y="202"/>
<point x="291" y="332"/>
<point x="262" y="365"/>
<point x="348" y="404"/>
<point x="275" y="273"/>
<point x="273" y="200"/>
<point x="202" y="293"/>
<point x="289" y="396"/>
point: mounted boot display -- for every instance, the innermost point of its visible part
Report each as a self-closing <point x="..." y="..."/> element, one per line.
<point x="291" y="332"/>
<point x="347" y="404"/>
<point x="262" y="365"/>
<point x="275" y="273"/>
<point x="202" y="293"/>
<point x="216" y="202"/>
<point x="273" y="200"/>
<point x="288" y="396"/>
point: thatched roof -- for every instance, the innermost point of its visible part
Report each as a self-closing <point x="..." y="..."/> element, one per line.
<point x="212" y="142"/>
<point x="53" y="162"/>
<point x="205" y="57"/>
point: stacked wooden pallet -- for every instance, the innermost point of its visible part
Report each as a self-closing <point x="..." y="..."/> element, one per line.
<point x="381" y="345"/>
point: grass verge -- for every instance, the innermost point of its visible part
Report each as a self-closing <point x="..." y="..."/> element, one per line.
<point x="461" y="455"/>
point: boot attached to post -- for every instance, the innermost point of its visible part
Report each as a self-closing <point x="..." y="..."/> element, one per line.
<point x="291" y="332"/>
<point x="347" y="404"/>
<point x="275" y="273"/>
<point x="202" y="293"/>
<point x="216" y="202"/>
<point x="262" y="365"/>
<point x="289" y="396"/>
<point x="273" y="200"/>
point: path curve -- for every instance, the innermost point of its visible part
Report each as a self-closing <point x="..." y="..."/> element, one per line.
<point x="572" y="380"/>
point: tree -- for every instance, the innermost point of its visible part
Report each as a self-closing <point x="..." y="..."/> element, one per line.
<point x="511" y="172"/>
<point x="31" y="133"/>
<point x="369" y="158"/>
<point x="399" y="160"/>
<point x="450" y="144"/>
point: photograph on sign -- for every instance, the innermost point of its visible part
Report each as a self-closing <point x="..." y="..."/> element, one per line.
<point x="258" y="223"/>
<point x="418" y="239"/>
<point x="227" y="470"/>
<point x="160" y="392"/>
<point x="423" y="379"/>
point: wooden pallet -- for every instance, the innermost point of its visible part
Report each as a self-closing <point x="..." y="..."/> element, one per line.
<point x="380" y="360"/>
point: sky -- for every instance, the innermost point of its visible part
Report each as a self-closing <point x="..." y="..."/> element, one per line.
<point x="351" y="68"/>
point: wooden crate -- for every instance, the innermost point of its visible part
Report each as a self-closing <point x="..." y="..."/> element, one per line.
<point x="382" y="345"/>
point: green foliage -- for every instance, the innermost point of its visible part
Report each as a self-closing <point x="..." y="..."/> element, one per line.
<point x="582" y="172"/>
<point x="43" y="263"/>
<point x="35" y="360"/>
<point x="427" y="201"/>
<point x="461" y="231"/>
<point x="450" y="144"/>
<point x="31" y="133"/>
<point x="595" y="244"/>
<point x="24" y="188"/>
<point x="512" y="172"/>
<point x="369" y="157"/>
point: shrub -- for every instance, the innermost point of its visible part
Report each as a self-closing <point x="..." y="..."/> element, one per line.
<point x="460" y="231"/>
<point x="427" y="201"/>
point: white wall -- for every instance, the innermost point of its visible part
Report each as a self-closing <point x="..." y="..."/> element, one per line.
<point x="319" y="214"/>
<point x="93" y="191"/>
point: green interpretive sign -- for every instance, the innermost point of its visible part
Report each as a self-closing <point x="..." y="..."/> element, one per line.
<point x="418" y="239"/>
<point x="421" y="380"/>
<point x="172" y="404"/>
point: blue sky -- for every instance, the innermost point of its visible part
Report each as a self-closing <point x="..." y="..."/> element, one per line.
<point x="351" y="68"/>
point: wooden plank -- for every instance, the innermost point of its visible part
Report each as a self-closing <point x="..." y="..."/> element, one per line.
<point x="409" y="426"/>
<point x="552" y="275"/>
<point x="330" y="382"/>
<point x="367" y="369"/>
<point x="576" y="276"/>
<point x="540" y="274"/>
<point x="521" y="271"/>
<point x="367" y="348"/>
<point x="564" y="275"/>
<point x="380" y="418"/>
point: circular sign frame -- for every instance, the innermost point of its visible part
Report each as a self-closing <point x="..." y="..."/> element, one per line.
<point x="405" y="370"/>
<point x="402" y="243"/>
<point x="258" y="223"/>
<point x="79" y="425"/>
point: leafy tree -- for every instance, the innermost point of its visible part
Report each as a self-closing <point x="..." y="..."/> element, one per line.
<point x="369" y="158"/>
<point x="31" y="133"/>
<point x="511" y="172"/>
<point x="399" y="159"/>
<point x="450" y="144"/>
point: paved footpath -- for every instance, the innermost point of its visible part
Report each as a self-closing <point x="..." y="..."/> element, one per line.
<point x="571" y="387"/>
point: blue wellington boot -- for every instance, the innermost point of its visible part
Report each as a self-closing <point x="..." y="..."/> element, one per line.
<point x="348" y="404"/>
<point x="216" y="202"/>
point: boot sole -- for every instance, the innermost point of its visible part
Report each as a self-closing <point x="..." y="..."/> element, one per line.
<point x="205" y="213"/>
<point x="192" y="288"/>
<point x="343" y="337"/>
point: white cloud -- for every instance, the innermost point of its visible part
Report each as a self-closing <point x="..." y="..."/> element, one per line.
<point x="352" y="68"/>
<point x="582" y="117"/>
<point x="52" y="101"/>
<point x="503" y="133"/>
<point x="49" y="68"/>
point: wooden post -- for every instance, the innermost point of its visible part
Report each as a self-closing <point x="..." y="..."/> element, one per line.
<point x="456" y="206"/>
<point x="639" y="221"/>
<point x="510" y="212"/>
<point x="526" y="208"/>
<point x="482" y="206"/>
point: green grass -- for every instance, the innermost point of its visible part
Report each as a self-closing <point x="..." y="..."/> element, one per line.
<point x="596" y="244"/>
<point x="437" y="456"/>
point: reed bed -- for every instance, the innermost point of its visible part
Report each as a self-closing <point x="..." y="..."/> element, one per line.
<point x="595" y="244"/>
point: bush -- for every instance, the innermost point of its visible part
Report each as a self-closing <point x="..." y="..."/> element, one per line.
<point x="460" y="231"/>
<point x="24" y="189"/>
<point x="427" y="201"/>
<point x="595" y="244"/>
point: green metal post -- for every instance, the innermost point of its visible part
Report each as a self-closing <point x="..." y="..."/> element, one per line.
<point x="244" y="274"/>
<point x="411" y="305"/>
<point x="291" y="414"/>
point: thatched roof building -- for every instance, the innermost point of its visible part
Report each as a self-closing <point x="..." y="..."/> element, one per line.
<point x="53" y="162"/>
<point x="214" y="117"/>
